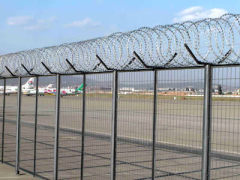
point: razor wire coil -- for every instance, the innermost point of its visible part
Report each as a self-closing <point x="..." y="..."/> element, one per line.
<point x="209" y="39"/>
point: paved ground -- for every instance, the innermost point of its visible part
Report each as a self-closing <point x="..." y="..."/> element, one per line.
<point x="179" y="123"/>
<point x="8" y="172"/>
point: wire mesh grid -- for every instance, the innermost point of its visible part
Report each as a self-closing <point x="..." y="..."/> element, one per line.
<point x="27" y="128"/>
<point x="206" y="43"/>
<point x="179" y="124"/>
<point x="225" y="124"/>
<point x="45" y="128"/>
<point x="134" y="125"/>
<point x="10" y="124"/>
<point x="70" y="128"/>
<point x="179" y="144"/>
<point x="97" y="153"/>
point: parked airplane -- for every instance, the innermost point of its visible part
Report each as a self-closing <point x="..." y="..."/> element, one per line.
<point x="50" y="90"/>
<point x="29" y="90"/>
<point x="14" y="89"/>
<point x="42" y="91"/>
<point x="79" y="89"/>
<point x="71" y="91"/>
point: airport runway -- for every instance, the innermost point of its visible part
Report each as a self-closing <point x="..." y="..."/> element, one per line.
<point x="179" y="124"/>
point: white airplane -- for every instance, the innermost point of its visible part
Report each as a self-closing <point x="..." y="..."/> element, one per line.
<point x="42" y="90"/>
<point x="28" y="86"/>
<point x="68" y="91"/>
<point x="14" y="89"/>
<point x="50" y="90"/>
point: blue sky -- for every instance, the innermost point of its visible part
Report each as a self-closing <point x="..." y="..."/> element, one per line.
<point x="28" y="24"/>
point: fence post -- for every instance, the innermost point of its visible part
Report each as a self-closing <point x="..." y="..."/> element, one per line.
<point x="18" y="136"/>
<point x="57" y="121"/>
<point x="207" y="121"/>
<point x="83" y="124"/>
<point x="3" y="116"/>
<point x="114" y="125"/>
<point x="154" y="123"/>
<point x="35" y="128"/>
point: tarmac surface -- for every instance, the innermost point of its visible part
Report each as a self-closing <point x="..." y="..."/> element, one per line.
<point x="7" y="173"/>
<point x="179" y="133"/>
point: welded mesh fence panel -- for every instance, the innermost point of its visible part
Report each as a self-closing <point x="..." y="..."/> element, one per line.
<point x="45" y="128"/>
<point x="1" y="116"/>
<point x="70" y="127"/>
<point x="27" y="125"/>
<point x="98" y="126"/>
<point x="10" y="122"/>
<point x="134" y="131"/>
<point x="225" y="144"/>
<point x="179" y="124"/>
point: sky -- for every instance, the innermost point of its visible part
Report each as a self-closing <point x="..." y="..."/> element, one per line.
<point x="28" y="24"/>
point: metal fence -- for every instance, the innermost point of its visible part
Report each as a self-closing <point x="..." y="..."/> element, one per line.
<point x="110" y="131"/>
<point x="156" y="103"/>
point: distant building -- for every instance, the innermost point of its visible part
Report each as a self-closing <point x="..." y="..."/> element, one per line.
<point x="127" y="89"/>
<point x="165" y="89"/>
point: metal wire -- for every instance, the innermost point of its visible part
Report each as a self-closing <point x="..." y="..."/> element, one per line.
<point x="10" y="128"/>
<point x="226" y="124"/>
<point x="45" y="133"/>
<point x="27" y="131"/>
<point x="70" y="132"/>
<point x="179" y="124"/>
<point x="213" y="41"/>
<point x="97" y="153"/>
<point x="134" y="125"/>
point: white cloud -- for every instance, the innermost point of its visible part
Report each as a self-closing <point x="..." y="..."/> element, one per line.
<point x="191" y="10"/>
<point x="19" y="20"/>
<point x="198" y="12"/>
<point x="30" y="23"/>
<point x="83" y="23"/>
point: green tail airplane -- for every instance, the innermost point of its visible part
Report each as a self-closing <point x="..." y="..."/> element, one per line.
<point x="79" y="89"/>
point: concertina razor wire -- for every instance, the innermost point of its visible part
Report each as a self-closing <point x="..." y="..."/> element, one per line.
<point x="214" y="41"/>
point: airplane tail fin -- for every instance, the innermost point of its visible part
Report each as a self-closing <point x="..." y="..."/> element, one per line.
<point x="80" y="88"/>
<point x="50" y="86"/>
<point x="29" y="83"/>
